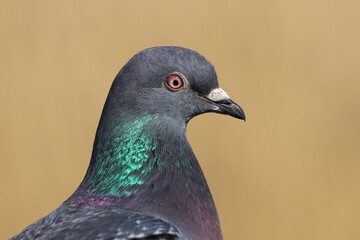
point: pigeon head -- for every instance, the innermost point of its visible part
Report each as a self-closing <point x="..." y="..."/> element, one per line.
<point x="142" y="130"/>
<point x="171" y="81"/>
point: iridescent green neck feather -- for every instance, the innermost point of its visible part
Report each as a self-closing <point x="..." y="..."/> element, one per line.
<point x="127" y="154"/>
<point x="121" y="158"/>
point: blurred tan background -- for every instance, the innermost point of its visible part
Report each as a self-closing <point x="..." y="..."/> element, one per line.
<point x="292" y="171"/>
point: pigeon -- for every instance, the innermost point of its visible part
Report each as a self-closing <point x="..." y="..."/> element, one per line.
<point x="143" y="180"/>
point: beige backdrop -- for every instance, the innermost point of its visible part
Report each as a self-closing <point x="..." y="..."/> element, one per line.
<point x="292" y="171"/>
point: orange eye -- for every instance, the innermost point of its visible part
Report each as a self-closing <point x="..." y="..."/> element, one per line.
<point x="175" y="82"/>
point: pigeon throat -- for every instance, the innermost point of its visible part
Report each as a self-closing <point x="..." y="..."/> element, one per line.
<point x="129" y="156"/>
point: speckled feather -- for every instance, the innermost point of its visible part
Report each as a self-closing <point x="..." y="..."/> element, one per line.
<point x="92" y="222"/>
<point x="144" y="181"/>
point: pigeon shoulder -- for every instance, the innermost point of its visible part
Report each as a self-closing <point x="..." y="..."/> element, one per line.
<point x="98" y="223"/>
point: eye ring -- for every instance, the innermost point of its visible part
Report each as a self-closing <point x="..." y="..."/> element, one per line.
<point x="175" y="81"/>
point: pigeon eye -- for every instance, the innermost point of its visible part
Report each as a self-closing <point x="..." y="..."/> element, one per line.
<point x="174" y="82"/>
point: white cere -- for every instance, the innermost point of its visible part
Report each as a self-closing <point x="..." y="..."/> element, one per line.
<point x="217" y="94"/>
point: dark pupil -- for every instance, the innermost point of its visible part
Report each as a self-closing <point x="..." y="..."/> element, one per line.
<point x="176" y="82"/>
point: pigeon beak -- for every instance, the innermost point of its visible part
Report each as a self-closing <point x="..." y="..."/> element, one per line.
<point x="224" y="105"/>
